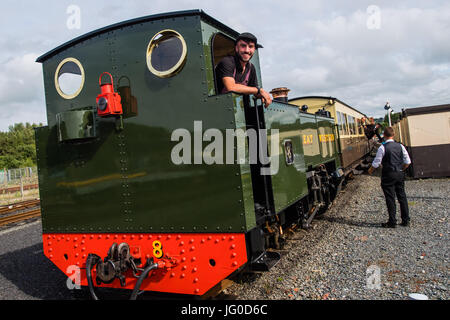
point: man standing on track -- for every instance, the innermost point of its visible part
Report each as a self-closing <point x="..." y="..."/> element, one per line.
<point x="394" y="159"/>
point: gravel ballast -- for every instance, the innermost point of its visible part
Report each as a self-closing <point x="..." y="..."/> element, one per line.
<point x="341" y="256"/>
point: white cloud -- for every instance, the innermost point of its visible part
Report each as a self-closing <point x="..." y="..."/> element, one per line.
<point x="313" y="47"/>
<point x="21" y="91"/>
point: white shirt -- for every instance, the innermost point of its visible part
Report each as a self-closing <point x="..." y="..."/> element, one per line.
<point x="380" y="154"/>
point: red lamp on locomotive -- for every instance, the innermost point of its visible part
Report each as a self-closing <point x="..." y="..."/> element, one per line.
<point x="108" y="101"/>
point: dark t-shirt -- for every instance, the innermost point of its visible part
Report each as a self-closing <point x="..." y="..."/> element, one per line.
<point x="226" y="68"/>
<point x="369" y="131"/>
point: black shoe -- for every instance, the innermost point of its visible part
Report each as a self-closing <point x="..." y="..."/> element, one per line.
<point x="405" y="223"/>
<point x="388" y="225"/>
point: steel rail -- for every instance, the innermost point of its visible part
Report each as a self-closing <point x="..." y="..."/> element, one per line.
<point x="18" y="206"/>
<point x="20" y="217"/>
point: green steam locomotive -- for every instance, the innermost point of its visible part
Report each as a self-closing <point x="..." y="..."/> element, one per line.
<point x="152" y="180"/>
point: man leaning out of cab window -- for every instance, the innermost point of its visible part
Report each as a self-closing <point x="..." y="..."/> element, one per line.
<point x="236" y="73"/>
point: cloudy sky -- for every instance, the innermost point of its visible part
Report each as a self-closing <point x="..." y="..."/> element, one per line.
<point x="362" y="52"/>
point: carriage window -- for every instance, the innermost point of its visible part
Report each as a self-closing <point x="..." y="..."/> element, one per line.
<point x="360" y="126"/>
<point x="166" y="53"/>
<point x="346" y="129"/>
<point x="350" y="124"/>
<point x="221" y="46"/>
<point x="69" y="78"/>
<point x="340" y="123"/>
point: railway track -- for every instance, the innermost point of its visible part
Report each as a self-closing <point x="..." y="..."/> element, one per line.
<point x="18" y="206"/>
<point x="8" y="215"/>
<point x="20" y="216"/>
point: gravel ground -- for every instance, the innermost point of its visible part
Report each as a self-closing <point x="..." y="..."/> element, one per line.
<point x="329" y="261"/>
<point x="339" y="258"/>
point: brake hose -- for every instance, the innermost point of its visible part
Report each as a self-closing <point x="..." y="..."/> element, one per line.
<point x="89" y="266"/>
<point x="141" y="279"/>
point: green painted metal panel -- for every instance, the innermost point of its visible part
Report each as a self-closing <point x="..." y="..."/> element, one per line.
<point x="243" y="152"/>
<point x="313" y="143"/>
<point x="125" y="180"/>
<point x="289" y="183"/>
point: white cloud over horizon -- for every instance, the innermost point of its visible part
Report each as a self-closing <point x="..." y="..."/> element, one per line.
<point x="314" y="48"/>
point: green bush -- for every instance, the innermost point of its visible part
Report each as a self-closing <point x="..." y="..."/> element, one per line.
<point x="17" y="146"/>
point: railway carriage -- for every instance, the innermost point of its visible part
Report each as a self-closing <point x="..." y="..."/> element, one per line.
<point x="353" y="144"/>
<point x="114" y="201"/>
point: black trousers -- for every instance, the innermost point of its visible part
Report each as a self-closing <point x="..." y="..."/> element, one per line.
<point x="393" y="184"/>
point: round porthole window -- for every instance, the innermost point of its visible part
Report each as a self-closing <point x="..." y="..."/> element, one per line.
<point x="166" y="53"/>
<point x="69" y="78"/>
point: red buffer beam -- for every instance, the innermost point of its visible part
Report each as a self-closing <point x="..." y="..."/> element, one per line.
<point x="188" y="263"/>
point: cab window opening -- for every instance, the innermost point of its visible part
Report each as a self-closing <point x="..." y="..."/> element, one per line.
<point x="221" y="46"/>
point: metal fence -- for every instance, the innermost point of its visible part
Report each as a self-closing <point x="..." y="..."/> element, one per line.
<point x="15" y="176"/>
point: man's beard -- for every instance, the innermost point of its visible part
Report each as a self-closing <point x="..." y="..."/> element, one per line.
<point x="240" y="57"/>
